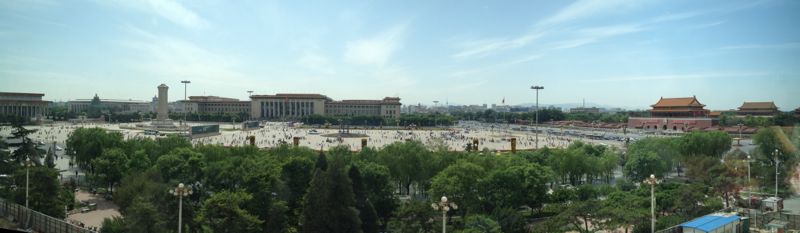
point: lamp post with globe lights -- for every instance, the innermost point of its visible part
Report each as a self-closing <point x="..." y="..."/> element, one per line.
<point x="652" y="181"/>
<point x="180" y="192"/>
<point x="444" y="206"/>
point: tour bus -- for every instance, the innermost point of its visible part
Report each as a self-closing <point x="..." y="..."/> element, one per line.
<point x="150" y="132"/>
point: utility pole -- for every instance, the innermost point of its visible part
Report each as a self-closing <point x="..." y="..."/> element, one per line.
<point x="537" y="88"/>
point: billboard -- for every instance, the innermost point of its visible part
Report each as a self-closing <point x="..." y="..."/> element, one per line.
<point x="205" y="129"/>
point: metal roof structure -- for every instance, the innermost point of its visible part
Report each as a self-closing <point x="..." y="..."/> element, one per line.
<point x="711" y="222"/>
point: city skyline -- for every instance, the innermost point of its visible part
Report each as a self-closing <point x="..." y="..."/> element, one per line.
<point x="615" y="53"/>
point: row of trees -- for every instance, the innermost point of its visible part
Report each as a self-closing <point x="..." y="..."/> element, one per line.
<point x="294" y="189"/>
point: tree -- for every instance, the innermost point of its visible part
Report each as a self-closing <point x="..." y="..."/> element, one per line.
<point x="369" y="219"/>
<point x="142" y="216"/>
<point x="45" y="191"/>
<point x="502" y="186"/>
<point x="111" y="166"/>
<point x="457" y="182"/>
<point x="115" y="224"/>
<point x="49" y="161"/>
<point x="27" y="149"/>
<point x="480" y="224"/>
<point x="623" y="210"/>
<point x="330" y="203"/>
<point x="296" y="173"/>
<point x="510" y="220"/>
<point x="412" y="217"/>
<point x="88" y="143"/>
<point x="379" y="189"/>
<point x="699" y="143"/>
<point x="223" y="212"/>
<point x="641" y="165"/>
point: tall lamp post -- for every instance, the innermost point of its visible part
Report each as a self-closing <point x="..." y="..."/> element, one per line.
<point x="185" y="111"/>
<point x="27" y="189"/>
<point x="749" y="189"/>
<point x="652" y="182"/>
<point x="444" y="206"/>
<point x="537" y="88"/>
<point x="180" y="192"/>
<point x="776" y="172"/>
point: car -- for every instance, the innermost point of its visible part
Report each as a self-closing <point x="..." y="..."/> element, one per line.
<point x="58" y="148"/>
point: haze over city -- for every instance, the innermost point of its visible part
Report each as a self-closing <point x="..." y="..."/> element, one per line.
<point x="614" y="53"/>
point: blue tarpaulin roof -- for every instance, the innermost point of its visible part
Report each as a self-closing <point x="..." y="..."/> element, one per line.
<point x="710" y="223"/>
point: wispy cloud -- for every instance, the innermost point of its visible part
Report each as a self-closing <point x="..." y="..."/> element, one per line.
<point x="171" y="10"/>
<point x="791" y="45"/>
<point x="706" y="25"/>
<point x="484" y="47"/>
<point x="317" y="62"/>
<point x="468" y="72"/>
<point x="375" y="50"/>
<point x="587" y="8"/>
<point x="176" y="58"/>
<point x="691" y="76"/>
<point x="592" y="35"/>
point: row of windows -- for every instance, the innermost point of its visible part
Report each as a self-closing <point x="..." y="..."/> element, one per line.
<point x="286" y="109"/>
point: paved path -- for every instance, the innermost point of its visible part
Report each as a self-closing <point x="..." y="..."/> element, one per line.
<point x="105" y="209"/>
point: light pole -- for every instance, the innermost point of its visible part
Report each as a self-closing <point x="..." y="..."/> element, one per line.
<point x="537" y="88"/>
<point x="180" y="191"/>
<point x="444" y="206"/>
<point x="185" y="111"/>
<point x="749" y="189"/>
<point x="27" y="189"/>
<point x="652" y="182"/>
<point x="776" y="172"/>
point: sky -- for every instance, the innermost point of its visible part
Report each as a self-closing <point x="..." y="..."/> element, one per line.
<point x="623" y="53"/>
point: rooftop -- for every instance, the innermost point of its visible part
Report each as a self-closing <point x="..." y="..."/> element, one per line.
<point x="758" y="105"/>
<point x="711" y="222"/>
<point x="678" y="102"/>
<point x="21" y="94"/>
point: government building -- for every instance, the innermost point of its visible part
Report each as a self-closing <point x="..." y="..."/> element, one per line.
<point x="295" y="106"/>
<point x="213" y="105"/>
<point x="28" y="105"/>
<point x="684" y="114"/>
<point x="109" y="105"/>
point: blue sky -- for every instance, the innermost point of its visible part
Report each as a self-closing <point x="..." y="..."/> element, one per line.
<point x="613" y="52"/>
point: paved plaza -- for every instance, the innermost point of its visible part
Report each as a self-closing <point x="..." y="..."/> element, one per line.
<point x="492" y="137"/>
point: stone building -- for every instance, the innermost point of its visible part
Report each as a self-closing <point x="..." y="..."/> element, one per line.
<point x="29" y="105"/>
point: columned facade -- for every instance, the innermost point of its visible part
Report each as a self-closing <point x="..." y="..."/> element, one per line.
<point x="28" y="105"/>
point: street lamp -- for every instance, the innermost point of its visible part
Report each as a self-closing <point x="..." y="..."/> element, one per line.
<point x="180" y="192"/>
<point x="537" y="88"/>
<point x="185" y="111"/>
<point x="652" y="182"/>
<point x="749" y="189"/>
<point x="776" y="172"/>
<point x="444" y="206"/>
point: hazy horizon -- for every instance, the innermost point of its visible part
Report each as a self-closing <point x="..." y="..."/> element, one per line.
<point x="617" y="53"/>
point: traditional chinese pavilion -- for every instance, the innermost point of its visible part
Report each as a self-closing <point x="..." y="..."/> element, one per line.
<point x="679" y="107"/>
<point x="758" y="109"/>
<point x="684" y="114"/>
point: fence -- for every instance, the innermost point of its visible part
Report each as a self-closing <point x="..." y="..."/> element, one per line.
<point x="37" y="221"/>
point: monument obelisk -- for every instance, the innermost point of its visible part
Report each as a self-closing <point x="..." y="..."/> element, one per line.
<point x="162" y="110"/>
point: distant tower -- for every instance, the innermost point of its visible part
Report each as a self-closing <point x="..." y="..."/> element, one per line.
<point x="162" y="114"/>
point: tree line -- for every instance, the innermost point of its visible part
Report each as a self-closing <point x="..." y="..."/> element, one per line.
<point x="297" y="189"/>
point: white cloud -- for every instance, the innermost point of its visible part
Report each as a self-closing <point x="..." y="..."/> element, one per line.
<point x="485" y="47"/>
<point x="166" y="57"/>
<point x="592" y="35"/>
<point x="173" y="11"/>
<point x="375" y="50"/>
<point x="791" y="45"/>
<point x="317" y="62"/>
<point x="587" y="8"/>
<point x="678" y="76"/>
<point x="706" y="25"/>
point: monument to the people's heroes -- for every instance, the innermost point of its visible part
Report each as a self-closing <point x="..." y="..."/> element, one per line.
<point x="162" y="120"/>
